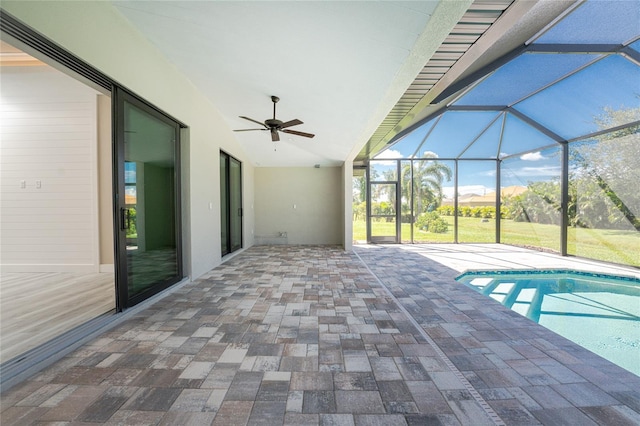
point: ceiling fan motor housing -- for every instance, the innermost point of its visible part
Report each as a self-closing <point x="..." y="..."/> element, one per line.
<point x="273" y="123"/>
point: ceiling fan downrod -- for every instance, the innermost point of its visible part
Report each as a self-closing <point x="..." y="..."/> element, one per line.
<point x="275" y="100"/>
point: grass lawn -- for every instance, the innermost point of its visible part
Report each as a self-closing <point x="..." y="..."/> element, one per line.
<point x="608" y="245"/>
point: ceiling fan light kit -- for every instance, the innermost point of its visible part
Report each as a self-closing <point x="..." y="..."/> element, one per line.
<point x="274" y="125"/>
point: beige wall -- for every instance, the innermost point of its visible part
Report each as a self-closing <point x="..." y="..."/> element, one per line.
<point x="303" y="202"/>
<point x="97" y="33"/>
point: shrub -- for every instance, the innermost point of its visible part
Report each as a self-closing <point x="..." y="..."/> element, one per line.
<point x="432" y="222"/>
<point x="465" y="211"/>
<point x="445" y="210"/>
<point x="488" y="212"/>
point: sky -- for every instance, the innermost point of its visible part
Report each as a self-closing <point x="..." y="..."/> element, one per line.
<point x="564" y="93"/>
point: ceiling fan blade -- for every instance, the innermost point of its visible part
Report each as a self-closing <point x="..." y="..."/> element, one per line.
<point x="274" y="135"/>
<point x="294" y="132"/>
<point x="290" y="123"/>
<point x="255" y="121"/>
<point x="247" y="130"/>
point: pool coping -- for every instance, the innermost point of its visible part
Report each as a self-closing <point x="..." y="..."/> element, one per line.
<point x="555" y="271"/>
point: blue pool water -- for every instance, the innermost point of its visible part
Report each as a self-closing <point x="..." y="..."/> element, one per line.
<point x="597" y="311"/>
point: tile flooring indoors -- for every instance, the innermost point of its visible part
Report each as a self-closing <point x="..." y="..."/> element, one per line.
<point x="314" y="335"/>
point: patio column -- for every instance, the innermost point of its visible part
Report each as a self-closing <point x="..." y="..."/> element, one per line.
<point x="564" y="200"/>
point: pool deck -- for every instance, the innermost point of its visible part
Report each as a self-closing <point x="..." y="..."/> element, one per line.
<point x="463" y="257"/>
<point x="315" y="335"/>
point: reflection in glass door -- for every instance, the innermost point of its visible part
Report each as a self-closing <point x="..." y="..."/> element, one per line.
<point x="230" y="204"/>
<point x="148" y="200"/>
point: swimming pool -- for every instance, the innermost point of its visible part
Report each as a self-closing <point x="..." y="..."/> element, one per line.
<point x="597" y="311"/>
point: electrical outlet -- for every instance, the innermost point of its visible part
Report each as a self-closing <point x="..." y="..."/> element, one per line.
<point x="23" y="184"/>
<point x="38" y="184"/>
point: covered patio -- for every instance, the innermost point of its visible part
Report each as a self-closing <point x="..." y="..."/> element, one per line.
<point x="316" y="335"/>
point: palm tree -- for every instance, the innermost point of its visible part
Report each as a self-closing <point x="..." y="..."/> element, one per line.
<point x="428" y="177"/>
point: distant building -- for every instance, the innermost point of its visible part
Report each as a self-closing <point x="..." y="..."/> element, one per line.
<point x="489" y="199"/>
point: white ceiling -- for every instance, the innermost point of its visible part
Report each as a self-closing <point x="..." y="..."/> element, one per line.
<point x="337" y="66"/>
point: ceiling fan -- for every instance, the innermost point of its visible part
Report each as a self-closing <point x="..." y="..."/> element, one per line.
<point x="274" y="125"/>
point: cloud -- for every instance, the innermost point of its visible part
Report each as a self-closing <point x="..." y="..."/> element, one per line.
<point x="389" y="154"/>
<point x="532" y="156"/>
<point x="543" y="171"/>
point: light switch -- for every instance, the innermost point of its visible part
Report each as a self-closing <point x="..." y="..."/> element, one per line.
<point x="38" y="184"/>
<point x="210" y="206"/>
<point x="23" y="184"/>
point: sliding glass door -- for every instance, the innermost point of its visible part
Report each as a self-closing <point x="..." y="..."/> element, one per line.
<point x="148" y="200"/>
<point x="230" y="204"/>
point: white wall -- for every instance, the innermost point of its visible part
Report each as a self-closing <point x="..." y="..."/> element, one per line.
<point x="49" y="172"/>
<point x="98" y="34"/>
<point x="306" y="203"/>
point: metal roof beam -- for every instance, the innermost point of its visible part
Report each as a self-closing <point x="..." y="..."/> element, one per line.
<point x="574" y="48"/>
<point x="602" y="132"/>
<point x="477" y="107"/>
<point x="533" y="123"/>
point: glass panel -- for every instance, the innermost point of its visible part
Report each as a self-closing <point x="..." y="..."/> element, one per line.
<point x="455" y="131"/>
<point x="406" y="213"/>
<point x="432" y="182"/>
<point x="476" y="201"/>
<point x="359" y="206"/>
<point x="224" y="203"/>
<point x="408" y="144"/>
<point x="405" y="202"/>
<point x="150" y="146"/>
<point x="383" y="227"/>
<point x="521" y="77"/>
<point x="130" y="199"/>
<point x="383" y="199"/>
<point x="636" y="46"/>
<point x="383" y="210"/>
<point x="605" y="201"/>
<point x="487" y="144"/>
<point x="520" y="137"/>
<point x="575" y="106"/>
<point x="235" y="211"/>
<point x="597" y="22"/>
<point x="386" y="171"/>
<point x="530" y="194"/>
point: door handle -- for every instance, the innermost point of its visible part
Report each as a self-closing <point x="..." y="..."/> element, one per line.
<point x="124" y="218"/>
<point x="240" y="211"/>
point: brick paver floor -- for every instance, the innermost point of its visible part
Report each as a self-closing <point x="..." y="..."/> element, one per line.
<point x="313" y="335"/>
